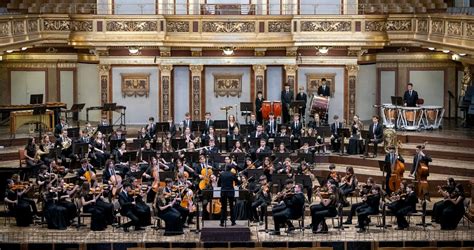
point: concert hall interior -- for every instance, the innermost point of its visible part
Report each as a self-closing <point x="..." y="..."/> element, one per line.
<point x="196" y="124"/>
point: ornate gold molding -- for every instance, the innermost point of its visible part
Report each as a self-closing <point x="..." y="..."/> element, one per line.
<point x="279" y="26"/>
<point x="135" y="26"/>
<point x="290" y="76"/>
<point x="466" y="79"/>
<point x="56" y="25"/>
<point x="259" y="74"/>
<point x="352" y="70"/>
<point x="104" y="78"/>
<point x="228" y="27"/>
<point x="196" y="69"/>
<point x="166" y="87"/>
<point x="177" y="26"/>
<point x="82" y="26"/>
<point x="196" y="85"/>
<point x="326" y="26"/>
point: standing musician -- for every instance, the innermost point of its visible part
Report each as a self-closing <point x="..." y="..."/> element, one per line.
<point x="271" y="129"/>
<point x="410" y="98"/>
<point x="326" y="208"/>
<point x="390" y="161"/>
<point x="231" y="125"/>
<point x="186" y="123"/>
<point x="286" y="99"/>
<point x="164" y="207"/>
<point x="226" y="182"/>
<point x="419" y="157"/>
<point x="258" y="106"/>
<point x="22" y="208"/>
<point x="355" y="142"/>
<point x="169" y="192"/>
<point x="128" y="208"/>
<point x="151" y="127"/>
<point x="335" y="139"/>
<point x="208" y="123"/>
<point x="58" y="129"/>
<point x="323" y="89"/>
<point x="290" y="207"/>
<point x="301" y="96"/>
<point x="171" y="128"/>
<point x="375" y="135"/>
<point x="406" y="206"/>
<point x="253" y="123"/>
<point x="263" y="198"/>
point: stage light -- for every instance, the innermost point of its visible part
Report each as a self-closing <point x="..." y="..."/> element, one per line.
<point x="431" y="48"/>
<point x="462" y="54"/>
<point x="323" y="50"/>
<point x="24" y="48"/>
<point x="446" y="51"/>
<point x="228" y="51"/>
<point x="9" y="51"/>
<point x="133" y="50"/>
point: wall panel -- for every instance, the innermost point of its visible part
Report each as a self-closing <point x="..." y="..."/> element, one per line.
<point x="26" y="83"/>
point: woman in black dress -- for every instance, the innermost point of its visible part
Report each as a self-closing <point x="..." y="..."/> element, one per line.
<point x="231" y="125"/>
<point x="166" y="212"/>
<point x="327" y="208"/>
<point x="355" y="142"/>
<point x="56" y="215"/>
<point x="454" y="210"/>
<point x="33" y="161"/>
<point x="99" y="147"/>
<point x="439" y="206"/>
<point x="348" y="184"/>
<point x="17" y="207"/>
<point x="92" y="202"/>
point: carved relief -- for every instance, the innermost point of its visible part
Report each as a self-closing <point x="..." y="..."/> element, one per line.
<point x="398" y="25"/>
<point x="135" y="85"/>
<point x="85" y="26"/>
<point x="196" y="96"/>
<point x="32" y="26"/>
<point x="104" y="71"/>
<point x="259" y="83"/>
<point x="326" y="26"/>
<point x="375" y="26"/>
<point x="259" y="71"/>
<point x="470" y="29"/>
<point x="352" y="101"/>
<point x="4" y="29"/>
<point x="437" y="27"/>
<point x="177" y="26"/>
<point x="279" y="26"/>
<point x="18" y="27"/>
<point x="227" y="85"/>
<point x="56" y="25"/>
<point x="423" y="26"/>
<point x="228" y="27"/>
<point x="165" y="85"/>
<point x="132" y="26"/>
<point x="454" y="28"/>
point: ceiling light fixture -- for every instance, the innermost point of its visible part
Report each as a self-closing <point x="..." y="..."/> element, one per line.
<point x="462" y="54"/>
<point x="24" y="48"/>
<point x="228" y="51"/>
<point x="431" y="48"/>
<point x="446" y="51"/>
<point x="323" y="50"/>
<point x="133" y="50"/>
<point x="9" y="51"/>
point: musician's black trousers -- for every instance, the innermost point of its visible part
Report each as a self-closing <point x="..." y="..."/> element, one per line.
<point x="227" y="198"/>
<point x="263" y="207"/>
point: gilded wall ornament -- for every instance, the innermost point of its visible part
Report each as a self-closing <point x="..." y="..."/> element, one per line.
<point x="279" y="26"/>
<point x="398" y="25"/>
<point x="32" y="26"/>
<point x="227" y="85"/>
<point x="326" y="26"/>
<point x="177" y="26"/>
<point x="135" y="85"/>
<point x="56" y="25"/>
<point x="196" y="96"/>
<point x="437" y="26"/>
<point x="84" y="26"/>
<point x="422" y="26"/>
<point x="4" y="29"/>
<point x="228" y="27"/>
<point x="132" y="26"/>
<point x="18" y="27"/>
<point x="455" y="28"/>
<point x="375" y="26"/>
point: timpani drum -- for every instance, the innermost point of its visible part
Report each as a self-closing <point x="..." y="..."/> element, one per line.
<point x="433" y="116"/>
<point x="411" y="118"/>
<point x="266" y="109"/>
<point x="389" y="115"/>
<point x="277" y="109"/>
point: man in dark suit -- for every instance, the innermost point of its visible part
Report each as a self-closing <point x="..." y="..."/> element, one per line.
<point x="59" y="127"/>
<point x="419" y="157"/>
<point x="171" y="128"/>
<point x="296" y="126"/>
<point x="151" y="127"/>
<point x="258" y="106"/>
<point x="301" y="96"/>
<point x="323" y="90"/>
<point x="127" y="208"/>
<point x="187" y="123"/>
<point x="371" y="206"/>
<point x="408" y="205"/>
<point x="208" y="122"/>
<point x="291" y="208"/>
<point x="286" y="99"/>
<point x="271" y="127"/>
<point x="390" y="159"/>
<point x="410" y="97"/>
<point x="226" y="182"/>
<point x="253" y="124"/>
<point x="335" y="140"/>
<point x="375" y="135"/>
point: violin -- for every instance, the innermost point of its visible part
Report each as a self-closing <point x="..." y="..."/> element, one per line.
<point x="284" y="194"/>
<point x="21" y="186"/>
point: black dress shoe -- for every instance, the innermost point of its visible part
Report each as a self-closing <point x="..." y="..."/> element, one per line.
<point x="125" y="229"/>
<point x="361" y="230"/>
<point x="233" y="224"/>
<point x="275" y="233"/>
<point x="347" y="222"/>
<point x="139" y="229"/>
<point x="291" y="229"/>
<point x="221" y="224"/>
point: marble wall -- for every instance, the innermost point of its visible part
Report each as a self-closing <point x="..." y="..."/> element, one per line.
<point x="366" y="88"/>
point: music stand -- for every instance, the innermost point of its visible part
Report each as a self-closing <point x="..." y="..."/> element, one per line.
<point x="147" y="155"/>
<point x="261" y="156"/>
<point x="365" y="136"/>
<point x="255" y="142"/>
<point x="324" y="131"/>
<point x="343" y="133"/>
<point x="310" y="140"/>
<point x="168" y="156"/>
<point x="309" y="157"/>
<point x="296" y="104"/>
<point x="397" y="100"/>
<point x="246" y="108"/>
<point x="198" y="125"/>
<point x="191" y="156"/>
<point x="36" y="99"/>
<point x="245" y="128"/>
<point x="255" y="173"/>
<point x="75" y="109"/>
<point x="116" y="143"/>
<point x="54" y="153"/>
<point x="130" y="156"/>
<point x="110" y="106"/>
<point x="178" y="143"/>
<point x="106" y="130"/>
<point x="239" y="157"/>
<point x="139" y="143"/>
<point x="73" y="132"/>
<point x="166" y="174"/>
<point x="304" y="180"/>
<point x="80" y="148"/>
<point x="162" y="126"/>
<point x="280" y="157"/>
<point x="40" y="111"/>
<point x="280" y="180"/>
<point x="220" y="124"/>
<point x="278" y="140"/>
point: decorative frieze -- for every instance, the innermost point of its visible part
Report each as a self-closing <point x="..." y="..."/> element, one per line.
<point x="455" y="28"/>
<point x="399" y="25"/>
<point x="18" y="27"/>
<point x="437" y="27"/>
<point x="279" y="26"/>
<point x="32" y="26"/>
<point x="228" y="27"/>
<point x="56" y="25"/>
<point x="165" y="82"/>
<point x="325" y="26"/>
<point x="290" y="75"/>
<point x="135" y="26"/>
<point x="375" y="26"/>
<point x="422" y="26"/>
<point x="470" y="29"/>
<point x="177" y="26"/>
<point x="352" y="71"/>
<point x="4" y="29"/>
<point x="82" y="26"/>
<point x="259" y="73"/>
<point x="104" y="77"/>
<point x="196" y="81"/>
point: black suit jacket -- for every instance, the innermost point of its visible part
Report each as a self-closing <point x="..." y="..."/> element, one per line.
<point x="378" y="135"/>
<point x="226" y="182"/>
<point x="410" y="100"/>
<point x="262" y="135"/>
<point x="58" y="129"/>
<point x="258" y="104"/>
<point x="172" y="129"/>
<point x="302" y="97"/>
<point x="295" y="205"/>
<point x="125" y="201"/>
<point x="268" y="128"/>
<point x="296" y="130"/>
<point x="206" y="126"/>
<point x="253" y="126"/>
<point x="286" y="98"/>
<point x="410" y="202"/>
<point x="324" y="92"/>
<point x="333" y="129"/>
<point x="185" y="124"/>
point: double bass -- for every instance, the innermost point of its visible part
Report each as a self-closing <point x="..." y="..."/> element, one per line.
<point x="397" y="174"/>
<point x="421" y="176"/>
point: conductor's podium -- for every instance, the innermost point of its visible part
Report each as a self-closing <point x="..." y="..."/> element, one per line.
<point x="20" y="118"/>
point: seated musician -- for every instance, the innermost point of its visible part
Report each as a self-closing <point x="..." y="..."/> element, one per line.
<point x="263" y="198"/>
<point x="169" y="192"/>
<point x="355" y="141"/>
<point x="296" y="127"/>
<point x="268" y="168"/>
<point x="85" y="167"/>
<point x="305" y="149"/>
<point x="390" y="160"/>
<point x="253" y="123"/>
<point x="56" y="216"/>
<point x="118" y="155"/>
<point x="165" y="209"/>
<point x="212" y="149"/>
<point x="143" y="134"/>
<point x="238" y="148"/>
<point x="366" y="188"/>
<point x="167" y="148"/>
<point x="93" y="202"/>
<point x="316" y="122"/>
<point x="420" y="157"/>
<point x="99" y="150"/>
<point x="45" y="146"/>
<point x="305" y="169"/>
<point x="262" y="148"/>
<point x="258" y="133"/>
<point x="31" y="153"/>
<point x="117" y="135"/>
<point x="65" y="143"/>
<point x="230" y="164"/>
<point x="454" y="210"/>
<point x="333" y="177"/>
<point x="286" y="168"/>
<point x="271" y="128"/>
<point x="281" y="149"/>
<point x="290" y="207"/>
<point x="181" y="168"/>
<point x="370" y="207"/>
<point x="83" y="137"/>
<point x="396" y="196"/>
<point x="151" y="127"/>
<point x="283" y="132"/>
<point x="406" y="206"/>
<point x="67" y="192"/>
<point x="326" y="208"/>
<point x="104" y="121"/>
<point x="128" y="208"/>
<point x="109" y="173"/>
<point x="188" y="136"/>
<point x="140" y="191"/>
<point x="335" y="138"/>
<point x="236" y="135"/>
<point x="439" y="206"/>
<point x="59" y="127"/>
<point x="375" y="135"/>
<point x="22" y="208"/>
<point x="348" y="184"/>
<point x="210" y="135"/>
<point x="319" y="141"/>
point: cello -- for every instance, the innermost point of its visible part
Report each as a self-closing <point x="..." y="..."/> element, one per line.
<point x="397" y="174"/>
<point x="421" y="176"/>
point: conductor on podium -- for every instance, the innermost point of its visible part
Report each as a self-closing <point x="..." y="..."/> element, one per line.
<point x="226" y="182"/>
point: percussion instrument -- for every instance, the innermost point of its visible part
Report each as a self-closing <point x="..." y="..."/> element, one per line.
<point x="433" y="116"/>
<point x="390" y="115"/>
<point x="320" y="105"/>
<point x="269" y="107"/>
<point x="411" y="118"/>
